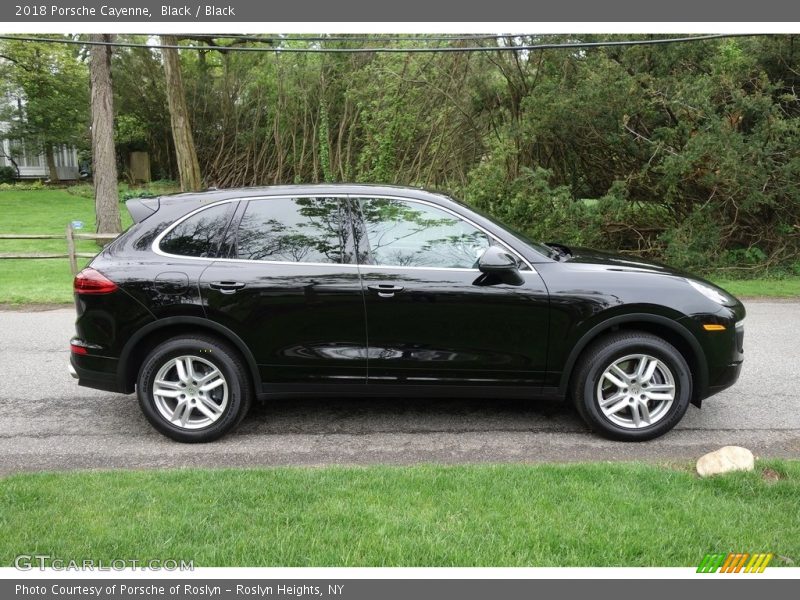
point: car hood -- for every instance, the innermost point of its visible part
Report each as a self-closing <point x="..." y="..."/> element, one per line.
<point x="620" y="262"/>
<point x="617" y="262"/>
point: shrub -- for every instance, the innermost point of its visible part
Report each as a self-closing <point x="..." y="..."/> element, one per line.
<point x="84" y="190"/>
<point x="126" y="195"/>
<point x="22" y="186"/>
<point x="550" y="214"/>
<point x="7" y="174"/>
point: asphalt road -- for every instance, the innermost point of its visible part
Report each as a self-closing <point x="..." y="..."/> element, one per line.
<point x="48" y="423"/>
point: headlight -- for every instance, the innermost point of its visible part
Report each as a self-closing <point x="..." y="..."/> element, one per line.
<point x="710" y="292"/>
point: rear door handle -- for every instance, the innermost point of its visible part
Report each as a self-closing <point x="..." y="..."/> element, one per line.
<point x="385" y="290"/>
<point x="227" y="287"/>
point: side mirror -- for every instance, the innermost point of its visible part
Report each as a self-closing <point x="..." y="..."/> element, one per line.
<point x="499" y="266"/>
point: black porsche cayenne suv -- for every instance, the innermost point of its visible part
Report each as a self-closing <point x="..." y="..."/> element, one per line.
<point x="213" y="300"/>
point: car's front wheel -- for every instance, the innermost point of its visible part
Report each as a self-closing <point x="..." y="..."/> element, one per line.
<point x="632" y="386"/>
<point x="193" y="389"/>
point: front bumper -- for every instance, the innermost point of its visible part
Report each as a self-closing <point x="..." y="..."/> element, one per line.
<point x="726" y="378"/>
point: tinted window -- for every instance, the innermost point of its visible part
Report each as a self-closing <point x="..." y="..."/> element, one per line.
<point x="410" y="234"/>
<point x="199" y="235"/>
<point x="293" y="230"/>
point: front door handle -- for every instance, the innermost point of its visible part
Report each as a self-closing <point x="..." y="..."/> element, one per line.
<point x="385" y="290"/>
<point x="227" y="287"/>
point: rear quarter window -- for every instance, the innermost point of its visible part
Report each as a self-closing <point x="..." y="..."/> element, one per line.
<point x="199" y="235"/>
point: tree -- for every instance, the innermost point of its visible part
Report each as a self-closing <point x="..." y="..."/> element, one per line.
<point x="139" y="100"/>
<point x="186" y="155"/>
<point x="48" y="85"/>
<point x="687" y="152"/>
<point x="104" y="159"/>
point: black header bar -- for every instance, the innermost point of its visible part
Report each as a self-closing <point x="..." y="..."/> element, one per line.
<point x="532" y="11"/>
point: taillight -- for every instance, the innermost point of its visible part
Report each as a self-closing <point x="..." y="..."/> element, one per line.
<point x="75" y="349"/>
<point x="90" y="281"/>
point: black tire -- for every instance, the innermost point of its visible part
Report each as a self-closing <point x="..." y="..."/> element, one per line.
<point x="601" y="355"/>
<point x="203" y="349"/>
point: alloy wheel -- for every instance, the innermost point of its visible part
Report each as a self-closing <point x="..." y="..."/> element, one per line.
<point x="190" y="392"/>
<point x="636" y="391"/>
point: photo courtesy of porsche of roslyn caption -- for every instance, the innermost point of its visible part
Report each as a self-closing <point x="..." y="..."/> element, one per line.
<point x="213" y="300"/>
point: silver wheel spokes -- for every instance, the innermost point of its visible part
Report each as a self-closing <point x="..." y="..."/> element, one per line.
<point x="190" y="392"/>
<point x="636" y="391"/>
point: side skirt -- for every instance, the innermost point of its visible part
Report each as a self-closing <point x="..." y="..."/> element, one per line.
<point x="366" y="390"/>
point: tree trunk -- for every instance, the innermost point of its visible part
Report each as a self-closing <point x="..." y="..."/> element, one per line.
<point x="51" y="163"/>
<point x="186" y="155"/>
<point x="104" y="160"/>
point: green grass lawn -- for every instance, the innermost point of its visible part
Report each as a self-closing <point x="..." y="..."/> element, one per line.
<point x="42" y="211"/>
<point x="774" y="288"/>
<point x="623" y="514"/>
<point x="50" y="281"/>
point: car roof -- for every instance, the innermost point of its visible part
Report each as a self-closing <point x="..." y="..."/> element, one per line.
<point x="214" y="195"/>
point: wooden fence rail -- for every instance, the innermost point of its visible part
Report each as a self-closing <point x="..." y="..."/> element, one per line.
<point x="70" y="236"/>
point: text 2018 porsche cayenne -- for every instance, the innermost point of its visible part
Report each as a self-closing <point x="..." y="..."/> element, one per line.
<point x="214" y="299"/>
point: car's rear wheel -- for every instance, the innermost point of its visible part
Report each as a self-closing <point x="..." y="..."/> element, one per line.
<point x="632" y="386"/>
<point x="193" y="389"/>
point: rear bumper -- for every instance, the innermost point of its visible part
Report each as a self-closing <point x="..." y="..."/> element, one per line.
<point x="95" y="372"/>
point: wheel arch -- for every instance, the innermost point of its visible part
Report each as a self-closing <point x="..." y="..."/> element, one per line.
<point x="145" y="339"/>
<point x="664" y="327"/>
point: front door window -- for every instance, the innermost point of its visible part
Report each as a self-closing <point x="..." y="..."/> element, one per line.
<point x="402" y="233"/>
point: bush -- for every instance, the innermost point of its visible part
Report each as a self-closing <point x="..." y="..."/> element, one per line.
<point x="7" y="174"/>
<point x="126" y="195"/>
<point x="550" y="214"/>
<point x="151" y="190"/>
<point x="22" y="186"/>
<point x="84" y="190"/>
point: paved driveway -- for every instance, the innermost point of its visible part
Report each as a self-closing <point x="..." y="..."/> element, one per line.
<point x="47" y="422"/>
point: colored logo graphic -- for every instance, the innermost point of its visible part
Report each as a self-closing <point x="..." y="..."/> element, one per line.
<point x="734" y="562"/>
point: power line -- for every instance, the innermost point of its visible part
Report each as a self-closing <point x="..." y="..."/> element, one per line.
<point x="437" y="49"/>
<point x="358" y="37"/>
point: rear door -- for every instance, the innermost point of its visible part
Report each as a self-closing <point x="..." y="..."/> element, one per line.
<point x="289" y="287"/>
<point x="431" y="317"/>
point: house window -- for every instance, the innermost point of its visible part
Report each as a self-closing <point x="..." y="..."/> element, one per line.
<point x="26" y="155"/>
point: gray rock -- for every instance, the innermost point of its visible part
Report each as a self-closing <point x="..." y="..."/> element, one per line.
<point x="724" y="460"/>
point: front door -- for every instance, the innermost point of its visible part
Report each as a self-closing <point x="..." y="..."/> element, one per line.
<point x="431" y="317"/>
<point x="290" y="289"/>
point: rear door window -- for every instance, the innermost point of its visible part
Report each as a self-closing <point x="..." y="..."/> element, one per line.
<point x="300" y="230"/>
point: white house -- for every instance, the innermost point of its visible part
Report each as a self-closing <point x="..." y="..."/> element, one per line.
<point x="32" y="164"/>
<point x="30" y="161"/>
